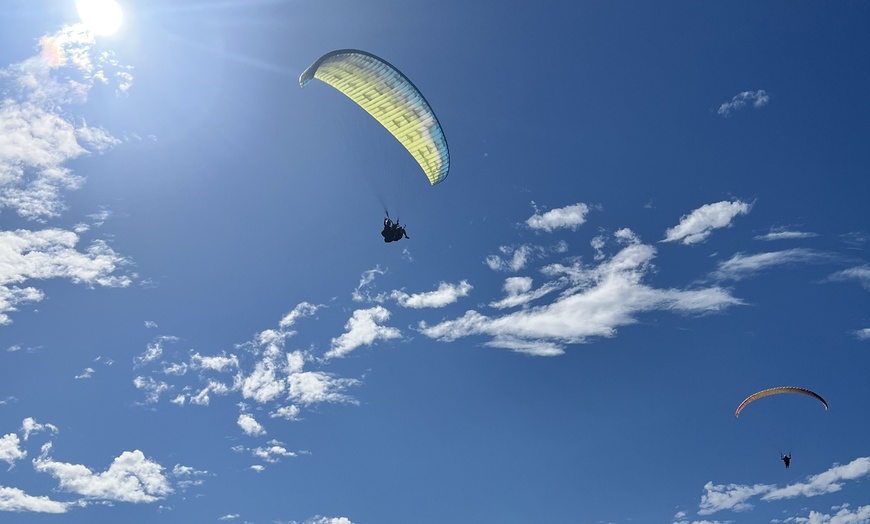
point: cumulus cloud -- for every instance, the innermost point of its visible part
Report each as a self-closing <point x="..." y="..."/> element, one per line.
<point x="130" y="478"/>
<point x="362" y="329"/>
<point x="569" y="217"/>
<point x="742" y="266"/>
<point x="52" y="253"/>
<point x="16" y="500"/>
<point x="697" y="225"/>
<point x="445" y="294"/>
<point x="843" y="515"/>
<point x="736" y="497"/>
<point x="219" y="363"/>
<point x="595" y="301"/>
<point x="862" y="334"/>
<point x="250" y="425"/>
<point x="758" y="99"/>
<point x="152" y="388"/>
<point x="10" y="452"/>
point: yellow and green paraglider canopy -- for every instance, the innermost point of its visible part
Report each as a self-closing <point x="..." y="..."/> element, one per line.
<point x="392" y="99"/>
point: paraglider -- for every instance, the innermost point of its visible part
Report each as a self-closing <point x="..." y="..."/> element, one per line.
<point x="776" y="391"/>
<point x="394" y="101"/>
<point x="393" y="232"/>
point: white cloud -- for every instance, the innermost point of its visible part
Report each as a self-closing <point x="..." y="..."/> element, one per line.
<point x="741" y="266"/>
<point x="361" y="293"/>
<point x="362" y="330"/>
<point x="216" y="363"/>
<point x="511" y="259"/>
<point x="188" y="477"/>
<point x="87" y="373"/>
<point x="286" y="412"/>
<point x="303" y="309"/>
<point x="10" y="452"/>
<point x="697" y="225"/>
<point x="150" y="324"/>
<point x="15" y="500"/>
<point x="272" y="453"/>
<point x="862" y="334"/>
<point x="732" y="497"/>
<point x="250" y="425"/>
<point x="257" y="467"/>
<point x="130" y="478"/>
<point x="758" y="99"/>
<point x="859" y="273"/>
<point x="312" y="387"/>
<point x="152" y="388"/>
<point x="828" y="482"/>
<point x="843" y="515"/>
<point x="570" y="217"/>
<point x="445" y="294"/>
<point x="231" y="516"/>
<point x="153" y="351"/>
<point x="519" y="291"/>
<point x="30" y="426"/>
<point x="595" y="301"/>
<point x="51" y="253"/>
<point x="784" y="234"/>
<point x="735" y="497"/>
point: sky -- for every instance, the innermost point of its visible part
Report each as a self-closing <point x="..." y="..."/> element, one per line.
<point x="652" y="212"/>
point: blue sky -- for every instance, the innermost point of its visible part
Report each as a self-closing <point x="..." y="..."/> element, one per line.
<point x="652" y="212"/>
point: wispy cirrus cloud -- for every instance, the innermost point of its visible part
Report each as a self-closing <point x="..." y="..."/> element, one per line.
<point x="757" y="99"/>
<point x="861" y="274"/>
<point x="741" y="266"/>
<point x="737" y="497"/>
<point x="700" y="223"/>
<point x="784" y="234"/>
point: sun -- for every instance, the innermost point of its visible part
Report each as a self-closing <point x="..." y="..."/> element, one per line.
<point x="101" y="17"/>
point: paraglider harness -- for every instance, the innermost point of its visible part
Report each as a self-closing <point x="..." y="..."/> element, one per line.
<point x="785" y="458"/>
<point x="393" y="232"/>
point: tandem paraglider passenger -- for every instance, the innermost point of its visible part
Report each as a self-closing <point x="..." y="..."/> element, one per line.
<point x="785" y="458"/>
<point x="393" y="232"/>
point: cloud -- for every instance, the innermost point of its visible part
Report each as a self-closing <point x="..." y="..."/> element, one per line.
<point x="735" y="497"/>
<point x="130" y="478"/>
<point x="697" y="225"/>
<point x="784" y="234"/>
<point x="264" y="372"/>
<point x="570" y="217"/>
<point x="843" y="515"/>
<point x="732" y="497"/>
<point x="51" y="253"/>
<point x="741" y="266"/>
<point x="594" y="303"/>
<point x="150" y="324"/>
<point x="272" y="453"/>
<point x="514" y="259"/>
<point x="15" y="500"/>
<point x="361" y="293"/>
<point x="758" y="99"/>
<point x="828" y="482"/>
<point x="29" y="426"/>
<point x="36" y="138"/>
<point x="10" y="452"/>
<point x="519" y="291"/>
<point x="859" y="273"/>
<point x="87" y="373"/>
<point x="231" y="516"/>
<point x="250" y="425"/>
<point x="153" y="351"/>
<point x="362" y="329"/>
<point x="862" y="334"/>
<point x="152" y="388"/>
<point x="445" y="294"/>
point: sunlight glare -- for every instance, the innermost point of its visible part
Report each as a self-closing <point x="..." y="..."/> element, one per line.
<point x="102" y="17"/>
